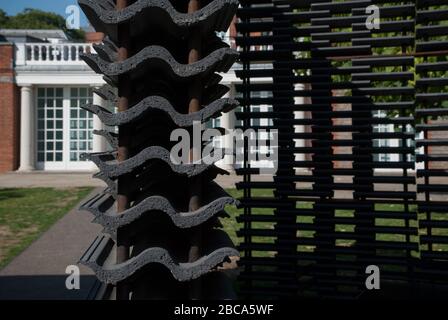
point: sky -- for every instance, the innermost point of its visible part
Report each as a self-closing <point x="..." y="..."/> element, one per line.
<point x="57" y="6"/>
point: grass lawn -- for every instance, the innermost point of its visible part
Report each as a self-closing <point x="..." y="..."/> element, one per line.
<point x="26" y="213"/>
<point x="230" y="224"/>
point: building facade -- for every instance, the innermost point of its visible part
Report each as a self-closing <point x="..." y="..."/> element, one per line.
<point x="43" y="83"/>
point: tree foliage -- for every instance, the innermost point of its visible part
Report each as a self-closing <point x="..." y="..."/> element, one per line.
<point x="38" y="19"/>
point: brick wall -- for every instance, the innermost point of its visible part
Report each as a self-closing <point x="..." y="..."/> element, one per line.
<point x="441" y="150"/>
<point x="342" y="135"/>
<point x="9" y="110"/>
<point x="94" y="37"/>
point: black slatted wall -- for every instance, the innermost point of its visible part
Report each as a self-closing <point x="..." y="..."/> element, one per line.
<point x="431" y="99"/>
<point x="353" y="106"/>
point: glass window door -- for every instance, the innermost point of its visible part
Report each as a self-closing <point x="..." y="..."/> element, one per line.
<point x="64" y="130"/>
<point x="81" y="123"/>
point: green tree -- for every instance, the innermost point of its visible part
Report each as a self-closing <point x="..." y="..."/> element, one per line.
<point x="38" y="19"/>
<point x="3" y="18"/>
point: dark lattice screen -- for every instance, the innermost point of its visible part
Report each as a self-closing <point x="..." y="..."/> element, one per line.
<point x="431" y="66"/>
<point x="362" y="146"/>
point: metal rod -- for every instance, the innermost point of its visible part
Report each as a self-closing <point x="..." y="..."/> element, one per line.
<point x="195" y="187"/>
<point x="124" y="92"/>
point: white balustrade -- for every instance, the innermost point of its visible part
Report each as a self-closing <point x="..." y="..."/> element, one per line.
<point x="51" y="54"/>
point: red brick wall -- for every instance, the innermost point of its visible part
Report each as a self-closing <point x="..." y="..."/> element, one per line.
<point x="94" y="37"/>
<point x="9" y="111"/>
<point x="443" y="150"/>
<point x="342" y="135"/>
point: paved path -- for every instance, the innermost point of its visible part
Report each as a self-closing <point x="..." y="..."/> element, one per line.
<point x="45" y="179"/>
<point x="76" y="179"/>
<point x="39" y="271"/>
<point x="64" y="180"/>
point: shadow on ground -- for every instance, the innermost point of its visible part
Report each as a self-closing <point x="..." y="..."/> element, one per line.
<point x="45" y="287"/>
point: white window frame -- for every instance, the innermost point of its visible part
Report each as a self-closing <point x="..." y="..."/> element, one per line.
<point x="66" y="164"/>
